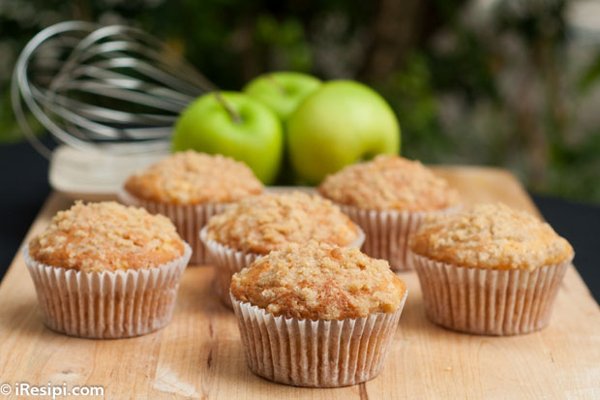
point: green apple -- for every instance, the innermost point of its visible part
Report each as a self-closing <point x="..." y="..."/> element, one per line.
<point x="282" y="91"/>
<point x="341" y="123"/>
<point x="235" y="125"/>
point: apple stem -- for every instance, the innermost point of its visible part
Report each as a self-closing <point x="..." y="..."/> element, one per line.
<point x="274" y="82"/>
<point x="235" y="116"/>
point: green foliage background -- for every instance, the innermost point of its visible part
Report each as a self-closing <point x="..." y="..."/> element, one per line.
<point x="506" y="83"/>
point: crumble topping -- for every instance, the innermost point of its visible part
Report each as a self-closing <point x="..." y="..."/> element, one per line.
<point x="263" y="223"/>
<point x="319" y="281"/>
<point x="389" y="183"/>
<point x="194" y="178"/>
<point x="106" y="236"/>
<point x="491" y="236"/>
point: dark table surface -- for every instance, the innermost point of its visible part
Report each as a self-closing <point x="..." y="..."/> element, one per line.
<point x="24" y="188"/>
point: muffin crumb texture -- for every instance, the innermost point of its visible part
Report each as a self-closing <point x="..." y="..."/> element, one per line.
<point x="194" y="178"/>
<point x="103" y="236"/>
<point x="389" y="183"/>
<point x="319" y="281"/>
<point x="491" y="236"/>
<point x="264" y="223"/>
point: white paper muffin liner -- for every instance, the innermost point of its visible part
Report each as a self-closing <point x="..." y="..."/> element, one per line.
<point x="486" y="301"/>
<point x="108" y="304"/>
<point x="388" y="232"/>
<point x="319" y="353"/>
<point x="188" y="220"/>
<point x="228" y="261"/>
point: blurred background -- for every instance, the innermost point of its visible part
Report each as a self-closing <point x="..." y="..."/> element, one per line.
<point x="511" y="83"/>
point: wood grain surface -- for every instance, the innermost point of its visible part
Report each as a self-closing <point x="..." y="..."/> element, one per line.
<point x="199" y="354"/>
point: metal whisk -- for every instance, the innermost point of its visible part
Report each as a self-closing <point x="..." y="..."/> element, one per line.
<point x="114" y="88"/>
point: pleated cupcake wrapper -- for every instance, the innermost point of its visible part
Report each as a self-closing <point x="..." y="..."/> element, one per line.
<point x="318" y="353"/>
<point x="388" y="233"/>
<point x="188" y="219"/>
<point x="108" y="304"/>
<point x="228" y="261"/>
<point x="488" y="302"/>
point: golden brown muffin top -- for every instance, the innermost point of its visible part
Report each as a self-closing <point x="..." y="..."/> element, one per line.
<point x="194" y="178"/>
<point x="491" y="236"/>
<point x="267" y="222"/>
<point x="389" y="183"/>
<point x="319" y="281"/>
<point x="106" y="236"/>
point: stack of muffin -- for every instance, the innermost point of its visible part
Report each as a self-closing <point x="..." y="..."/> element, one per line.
<point x="312" y="309"/>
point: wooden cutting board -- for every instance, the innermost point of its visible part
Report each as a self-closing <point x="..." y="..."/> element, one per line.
<point x="199" y="354"/>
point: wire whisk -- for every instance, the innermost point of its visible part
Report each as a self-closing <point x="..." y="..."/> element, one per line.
<point x="113" y="88"/>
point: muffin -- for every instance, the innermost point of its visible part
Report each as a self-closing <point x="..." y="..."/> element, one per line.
<point x="255" y="226"/>
<point x="388" y="198"/>
<point x="317" y="315"/>
<point x="489" y="269"/>
<point x="103" y="270"/>
<point x="189" y="188"/>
